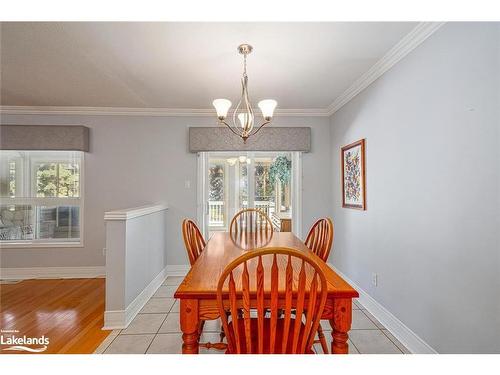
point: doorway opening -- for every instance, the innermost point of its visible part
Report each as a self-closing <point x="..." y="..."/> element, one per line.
<point x="232" y="181"/>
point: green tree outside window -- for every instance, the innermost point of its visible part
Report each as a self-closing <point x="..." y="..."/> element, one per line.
<point x="57" y="180"/>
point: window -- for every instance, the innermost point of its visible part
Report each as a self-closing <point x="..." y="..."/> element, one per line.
<point x="40" y="198"/>
<point x="216" y="180"/>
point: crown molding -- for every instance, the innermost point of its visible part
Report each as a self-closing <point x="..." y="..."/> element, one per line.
<point x="411" y="41"/>
<point x="127" y="111"/>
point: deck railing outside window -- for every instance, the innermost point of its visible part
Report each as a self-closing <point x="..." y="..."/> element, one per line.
<point x="216" y="211"/>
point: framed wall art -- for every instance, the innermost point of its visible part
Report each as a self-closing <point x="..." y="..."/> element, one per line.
<point x="353" y="175"/>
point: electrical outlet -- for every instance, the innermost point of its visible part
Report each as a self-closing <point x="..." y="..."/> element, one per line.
<point x="187" y="184"/>
<point x="374" y="279"/>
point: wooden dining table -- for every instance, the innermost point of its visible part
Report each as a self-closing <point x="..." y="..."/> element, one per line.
<point x="198" y="297"/>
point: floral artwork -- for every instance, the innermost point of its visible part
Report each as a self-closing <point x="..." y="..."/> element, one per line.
<point x="353" y="175"/>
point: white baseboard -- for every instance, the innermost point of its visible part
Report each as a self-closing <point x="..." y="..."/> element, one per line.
<point x="404" y="334"/>
<point x="52" y="273"/>
<point x="178" y="270"/>
<point x="120" y="319"/>
<point x="114" y="320"/>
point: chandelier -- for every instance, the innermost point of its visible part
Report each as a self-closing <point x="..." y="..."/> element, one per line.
<point x="243" y="115"/>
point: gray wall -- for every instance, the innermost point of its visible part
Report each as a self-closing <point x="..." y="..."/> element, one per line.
<point x="135" y="161"/>
<point x="146" y="250"/>
<point x="431" y="229"/>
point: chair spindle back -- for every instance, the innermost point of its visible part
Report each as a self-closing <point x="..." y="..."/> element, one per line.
<point x="193" y="240"/>
<point x="320" y="238"/>
<point x="250" y="286"/>
<point x="251" y="225"/>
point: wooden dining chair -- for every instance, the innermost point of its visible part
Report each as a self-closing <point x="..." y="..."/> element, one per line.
<point x="295" y="306"/>
<point x="193" y="240"/>
<point x="320" y="238"/>
<point x="319" y="241"/>
<point x="195" y="243"/>
<point x="250" y="224"/>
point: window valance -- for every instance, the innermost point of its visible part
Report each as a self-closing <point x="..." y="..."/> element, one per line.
<point x="203" y="139"/>
<point x="44" y="137"/>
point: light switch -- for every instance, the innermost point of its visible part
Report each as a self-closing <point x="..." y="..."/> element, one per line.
<point x="187" y="184"/>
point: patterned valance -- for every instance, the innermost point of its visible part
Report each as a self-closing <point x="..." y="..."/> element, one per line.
<point x="44" y="137"/>
<point x="268" y="139"/>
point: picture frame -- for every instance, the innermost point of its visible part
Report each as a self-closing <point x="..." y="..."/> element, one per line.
<point x="353" y="175"/>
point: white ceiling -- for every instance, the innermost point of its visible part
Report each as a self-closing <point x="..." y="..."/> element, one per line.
<point x="186" y="65"/>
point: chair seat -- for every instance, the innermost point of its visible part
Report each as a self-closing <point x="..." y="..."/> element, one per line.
<point x="267" y="334"/>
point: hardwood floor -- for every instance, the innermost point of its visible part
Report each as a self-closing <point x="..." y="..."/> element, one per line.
<point x="69" y="312"/>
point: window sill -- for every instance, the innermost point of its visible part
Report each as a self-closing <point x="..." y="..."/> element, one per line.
<point x="34" y="245"/>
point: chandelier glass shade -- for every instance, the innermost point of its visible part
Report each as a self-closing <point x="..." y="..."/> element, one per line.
<point x="243" y="122"/>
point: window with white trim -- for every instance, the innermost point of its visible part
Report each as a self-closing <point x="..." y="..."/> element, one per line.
<point x="41" y="197"/>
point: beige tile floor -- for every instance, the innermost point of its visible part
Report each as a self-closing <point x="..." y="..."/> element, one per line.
<point x="155" y="330"/>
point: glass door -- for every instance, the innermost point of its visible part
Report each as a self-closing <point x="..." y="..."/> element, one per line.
<point x="235" y="181"/>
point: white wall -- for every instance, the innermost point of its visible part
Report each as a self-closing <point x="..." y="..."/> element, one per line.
<point x="135" y="161"/>
<point x="431" y="229"/>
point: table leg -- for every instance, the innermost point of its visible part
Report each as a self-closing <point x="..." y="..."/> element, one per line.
<point x="341" y="324"/>
<point x="189" y="325"/>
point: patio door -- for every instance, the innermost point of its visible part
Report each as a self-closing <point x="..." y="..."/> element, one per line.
<point x="232" y="181"/>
